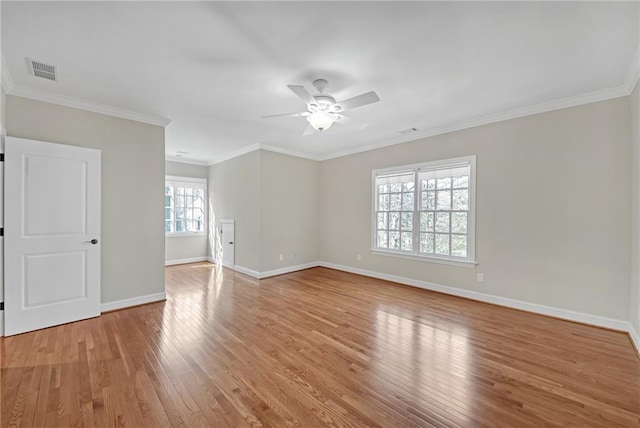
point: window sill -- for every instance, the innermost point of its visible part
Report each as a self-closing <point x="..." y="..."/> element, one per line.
<point x="461" y="263"/>
<point x="184" y="235"/>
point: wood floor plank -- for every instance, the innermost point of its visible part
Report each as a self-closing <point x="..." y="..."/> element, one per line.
<point x="317" y="348"/>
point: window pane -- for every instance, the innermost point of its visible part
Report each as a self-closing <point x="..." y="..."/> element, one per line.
<point x="444" y="200"/>
<point x="444" y="183"/>
<point x="395" y="202"/>
<point x="394" y="221"/>
<point x="382" y="239"/>
<point x="188" y="191"/>
<point x="167" y="190"/>
<point x="167" y="226"/>
<point x="428" y="184"/>
<point x="382" y="221"/>
<point x="394" y="240"/>
<point x="383" y="203"/>
<point x="179" y="190"/>
<point x="406" y="220"/>
<point x="442" y="244"/>
<point x="383" y="188"/>
<point x="408" y="187"/>
<point x="460" y="182"/>
<point x="407" y="241"/>
<point x="459" y="222"/>
<point x="460" y="200"/>
<point x="459" y="245"/>
<point x="179" y="226"/>
<point x="426" y="222"/>
<point x="167" y="201"/>
<point x="442" y="222"/>
<point x="396" y="187"/>
<point x="167" y="213"/>
<point x="407" y="202"/>
<point x="428" y="201"/>
<point x="426" y="243"/>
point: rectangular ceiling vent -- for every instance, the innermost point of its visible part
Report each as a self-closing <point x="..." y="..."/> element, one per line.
<point x="43" y="70"/>
<point x="408" y="131"/>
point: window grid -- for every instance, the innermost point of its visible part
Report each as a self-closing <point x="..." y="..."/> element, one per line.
<point x="430" y="232"/>
<point x="185" y="208"/>
<point x="436" y="220"/>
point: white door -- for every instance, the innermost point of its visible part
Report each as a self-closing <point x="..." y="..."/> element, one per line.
<point x="227" y="236"/>
<point x="52" y="234"/>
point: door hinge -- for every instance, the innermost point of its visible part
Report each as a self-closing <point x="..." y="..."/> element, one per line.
<point x="1" y="306"/>
<point x="1" y="157"/>
<point x="1" y="231"/>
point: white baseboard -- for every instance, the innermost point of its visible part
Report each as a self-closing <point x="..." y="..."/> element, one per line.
<point x="211" y="260"/>
<point x="570" y="315"/>
<point x="133" y="301"/>
<point x="247" y="271"/>
<point x="635" y="338"/>
<point x="275" y="272"/>
<point x="288" y="269"/>
<point x="185" y="261"/>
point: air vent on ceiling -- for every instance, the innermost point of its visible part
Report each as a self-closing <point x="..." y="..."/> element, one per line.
<point x="40" y="69"/>
<point x="408" y="131"/>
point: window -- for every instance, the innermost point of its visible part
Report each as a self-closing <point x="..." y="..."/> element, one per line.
<point x="185" y="206"/>
<point x="426" y="210"/>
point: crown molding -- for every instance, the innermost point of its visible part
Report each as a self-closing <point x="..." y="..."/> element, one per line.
<point x="287" y="152"/>
<point x="50" y="97"/>
<point x="186" y="160"/>
<point x="633" y="74"/>
<point x="7" y="79"/>
<point x="237" y="153"/>
<point x="559" y="104"/>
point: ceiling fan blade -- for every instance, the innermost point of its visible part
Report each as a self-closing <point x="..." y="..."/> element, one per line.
<point x="359" y="101"/>
<point x="300" y="114"/>
<point x="310" y="130"/>
<point x="351" y="122"/>
<point x="302" y="93"/>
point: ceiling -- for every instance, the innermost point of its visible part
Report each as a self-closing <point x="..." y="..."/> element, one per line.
<point x="214" y="68"/>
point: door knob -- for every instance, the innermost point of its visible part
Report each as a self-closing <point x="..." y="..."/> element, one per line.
<point x="93" y="241"/>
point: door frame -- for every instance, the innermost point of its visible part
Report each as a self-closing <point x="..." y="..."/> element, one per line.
<point x="233" y="255"/>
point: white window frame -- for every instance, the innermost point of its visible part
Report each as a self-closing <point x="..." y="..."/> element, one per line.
<point x="196" y="183"/>
<point x="470" y="260"/>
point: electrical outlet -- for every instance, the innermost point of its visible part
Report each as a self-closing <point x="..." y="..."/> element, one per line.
<point x="359" y="257"/>
<point x="281" y="257"/>
<point x="480" y="277"/>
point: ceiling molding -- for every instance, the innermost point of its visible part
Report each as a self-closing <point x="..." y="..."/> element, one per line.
<point x="7" y="79"/>
<point x="633" y="74"/>
<point x="50" y="97"/>
<point x="562" y="103"/>
<point x="237" y="153"/>
<point x="287" y="152"/>
<point x="186" y="160"/>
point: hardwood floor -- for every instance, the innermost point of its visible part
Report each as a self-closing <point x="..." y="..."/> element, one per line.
<point x="317" y="348"/>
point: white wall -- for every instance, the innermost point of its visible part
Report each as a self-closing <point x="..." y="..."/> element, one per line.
<point x="635" y="214"/>
<point x="184" y="248"/>
<point x="289" y="212"/>
<point x="132" y="188"/>
<point x="553" y="209"/>
<point x="234" y="194"/>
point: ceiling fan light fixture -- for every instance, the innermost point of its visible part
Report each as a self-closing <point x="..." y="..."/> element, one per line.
<point x="321" y="120"/>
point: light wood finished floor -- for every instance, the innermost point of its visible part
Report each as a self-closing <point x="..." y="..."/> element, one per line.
<point x="317" y="348"/>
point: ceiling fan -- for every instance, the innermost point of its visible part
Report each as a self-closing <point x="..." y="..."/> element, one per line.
<point x="323" y="110"/>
